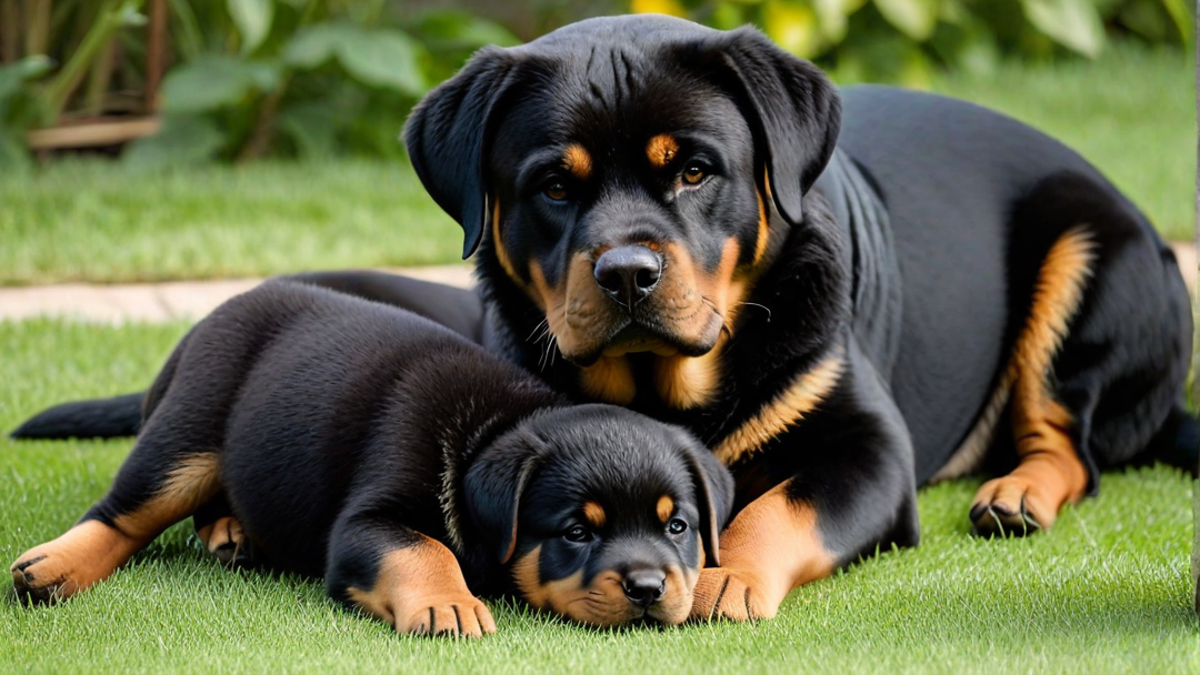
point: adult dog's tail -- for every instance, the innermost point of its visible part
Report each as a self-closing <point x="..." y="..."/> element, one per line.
<point x="94" y="418"/>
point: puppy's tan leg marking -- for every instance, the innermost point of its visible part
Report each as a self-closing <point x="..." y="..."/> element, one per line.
<point x="1050" y="472"/>
<point x="420" y="589"/>
<point x="771" y="547"/>
<point x="92" y="550"/>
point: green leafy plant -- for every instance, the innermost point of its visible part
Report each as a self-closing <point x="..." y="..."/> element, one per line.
<point x="903" y="40"/>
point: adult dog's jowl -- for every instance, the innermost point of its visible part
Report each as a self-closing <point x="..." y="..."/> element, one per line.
<point x="844" y="294"/>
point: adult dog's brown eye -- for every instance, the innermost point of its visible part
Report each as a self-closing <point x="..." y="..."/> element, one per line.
<point x="693" y="174"/>
<point x="578" y="534"/>
<point x="556" y="190"/>
<point x="676" y="526"/>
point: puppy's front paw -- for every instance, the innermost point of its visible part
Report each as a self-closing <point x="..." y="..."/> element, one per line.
<point x="726" y="593"/>
<point x="451" y="616"/>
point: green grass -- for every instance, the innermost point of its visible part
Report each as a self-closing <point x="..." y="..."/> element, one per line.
<point x="1131" y="113"/>
<point x="1108" y="590"/>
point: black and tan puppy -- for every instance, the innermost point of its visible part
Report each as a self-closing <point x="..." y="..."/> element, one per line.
<point x="412" y="470"/>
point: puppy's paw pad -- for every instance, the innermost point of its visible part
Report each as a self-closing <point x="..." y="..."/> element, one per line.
<point x="723" y="593"/>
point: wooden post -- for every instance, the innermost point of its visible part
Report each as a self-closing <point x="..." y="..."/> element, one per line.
<point x="156" y="53"/>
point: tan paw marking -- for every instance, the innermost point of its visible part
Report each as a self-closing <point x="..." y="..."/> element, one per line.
<point x="58" y="569"/>
<point x="1011" y="505"/>
<point x="723" y="593"/>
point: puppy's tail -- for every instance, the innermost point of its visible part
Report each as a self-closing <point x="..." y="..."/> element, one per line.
<point x="94" y="418"/>
<point x="1178" y="442"/>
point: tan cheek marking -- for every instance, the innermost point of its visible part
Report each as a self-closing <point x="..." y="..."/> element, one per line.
<point x="774" y="543"/>
<point x="577" y="161"/>
<point x="685" y="382"/>
<point x="603" y="603"/>
<point x="609" y="379"/>
<point x="90" y="551"/>
<point x="411" y="580"/>
<point x="664" y="508"/>
<point x="676" y="603"/>
<point x="574" y="309"/>
<point x="787" y="409"/>
<point x="661" y="150"/>
<point x="594" y="514"/>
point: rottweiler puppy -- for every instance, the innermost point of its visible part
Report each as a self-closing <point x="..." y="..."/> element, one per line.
<point x="411" y="469"/>
<point x="843" y="294"/>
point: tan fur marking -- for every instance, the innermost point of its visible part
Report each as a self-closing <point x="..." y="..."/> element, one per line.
<point x="577" y="161"/>
<point x="661" y="150"/>
<point x="788" y="407"/>
<point x="771" y="547"/>
<point x="594" y="514"/>
<point x="498" y="244"/>
<point x="665" y="508"/>
<point x="603" y="602"/>
<point x="420" y="589"/>
<point x="223" y="538"/>
<point x="685" y="382"/>
<point x="1050" y="472"/>
<point x="764" y="230"/>
<point x="90" y="551"/>
<point x="609" y="379"/>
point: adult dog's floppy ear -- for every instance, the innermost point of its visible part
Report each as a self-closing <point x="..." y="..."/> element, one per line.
<point x="447" y="137"/>
<point x="713" y="487"/>
<point x="494" y="485"/>
<point x="794" y="111"/>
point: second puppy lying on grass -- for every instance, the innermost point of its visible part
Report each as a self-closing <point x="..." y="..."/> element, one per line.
<point x="412" y="470"/>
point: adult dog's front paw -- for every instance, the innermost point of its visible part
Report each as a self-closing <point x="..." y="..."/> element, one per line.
<point x="726" y="593"/>
<point x="1011" y="505"/>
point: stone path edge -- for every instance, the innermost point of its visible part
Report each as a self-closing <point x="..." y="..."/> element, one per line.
<point x="192" y="300"/>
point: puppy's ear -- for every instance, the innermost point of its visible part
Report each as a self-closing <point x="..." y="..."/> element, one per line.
<point x="493" y="487"/>
<point x="447" y="137"/>
<point x="793" y="109"/>
<point x="713" y="487"/>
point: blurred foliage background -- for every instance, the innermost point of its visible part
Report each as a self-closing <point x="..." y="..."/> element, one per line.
<point x="312" y="78"/>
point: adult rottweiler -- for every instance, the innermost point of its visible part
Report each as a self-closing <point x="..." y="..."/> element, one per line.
<point x="362" y="443"/>
<point x="843" y="294"/>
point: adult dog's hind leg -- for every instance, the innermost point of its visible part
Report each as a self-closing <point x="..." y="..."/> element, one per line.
<point x="1101" y="360"/>
<point x="1050" y="472"/>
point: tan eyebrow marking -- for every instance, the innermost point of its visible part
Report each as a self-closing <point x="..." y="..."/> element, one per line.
<point x="577" y="161"/>
<point x="661" y="150"/>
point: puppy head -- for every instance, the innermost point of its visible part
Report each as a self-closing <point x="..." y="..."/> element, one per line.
<point x="629" y="176"/>
<point x="602" y="515"/>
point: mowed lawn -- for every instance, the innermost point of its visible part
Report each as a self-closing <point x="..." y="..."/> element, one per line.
<point x="1108" y="590"/>
<point x="1132" y="113"/>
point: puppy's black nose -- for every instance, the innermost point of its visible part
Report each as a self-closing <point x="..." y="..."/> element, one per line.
<point x="628" y="273"/>
<point x="645" y="587"/>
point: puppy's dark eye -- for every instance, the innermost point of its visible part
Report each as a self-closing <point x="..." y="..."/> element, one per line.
<point x="556" y="190"/>
<point x="676" y="526"/>
<point x="693" y="174"/>
<point x="578" y="534"/>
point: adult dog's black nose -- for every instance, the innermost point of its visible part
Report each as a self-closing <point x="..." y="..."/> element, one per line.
<point x="644" y="587"/>
<point x="628" y="273"/>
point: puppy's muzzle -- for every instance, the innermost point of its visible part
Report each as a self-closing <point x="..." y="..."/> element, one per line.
<point x="628" y="274"/>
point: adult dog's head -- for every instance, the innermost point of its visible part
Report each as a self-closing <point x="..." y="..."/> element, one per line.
<point x="629" y="179"/>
